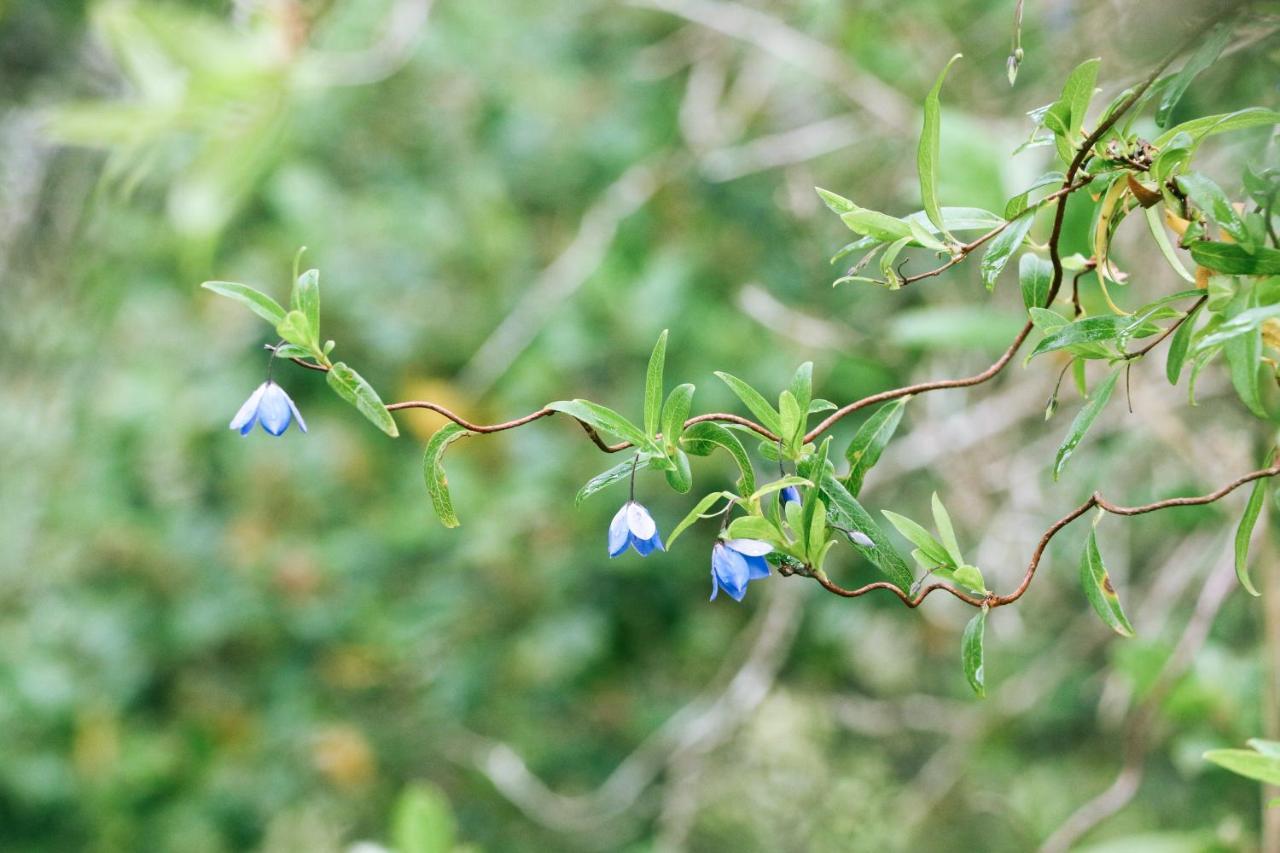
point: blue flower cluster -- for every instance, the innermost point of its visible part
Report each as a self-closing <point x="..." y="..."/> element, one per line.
<point x="734" y="562"/>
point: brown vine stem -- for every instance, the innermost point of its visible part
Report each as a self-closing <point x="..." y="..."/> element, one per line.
<point x="1095" y="500"/>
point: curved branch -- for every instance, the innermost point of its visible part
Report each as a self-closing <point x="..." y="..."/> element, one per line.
<point x="1094" y="500"/>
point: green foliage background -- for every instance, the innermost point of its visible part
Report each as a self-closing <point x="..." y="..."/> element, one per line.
<point x="215" y="643"/>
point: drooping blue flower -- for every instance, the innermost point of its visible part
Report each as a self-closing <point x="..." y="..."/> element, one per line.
<point x="270" y="406"/>
<point x="635" y="527"/>
<point x="736" y="562"/>
<point x="788" y="494"/>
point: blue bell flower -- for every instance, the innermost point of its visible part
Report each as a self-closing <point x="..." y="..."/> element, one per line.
<point x="736" y="562"/>
<point x="788" y="494"/>
<point x="270" y="406"/>
<point x="634" y="526"/>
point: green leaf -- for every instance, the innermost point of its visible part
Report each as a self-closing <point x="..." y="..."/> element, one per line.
<point x="1002" y="247"/>
<point x="306" y="298"/>
<point x="1035" y="275"/>
<point x="848" y="513"/>
<point x="1199" y="128"/>
<point x="927" y="154"/>
<point x="433" y="472"/>
<point x="838" y="204"/>
<point x="755" y="527"/>
<point x="1234" y="259"/>
<point x="873" y="223"/>
<point x="1097" y="588"/>
<point x="791" y="416"/>
<point x="679" y="475"/>
<point x="870" y="441"/>
<point x="606" y="420"/>
<point x="1202" y="58"/>
<point x="1179" y="345"/>
<point x="754" y="402"/>
<point x="653" y="385"/>
<point x="1084" y="419"/>
<point x="1087" y="330"/>
<point x="1243" y="354"/>
<point x="621" y="471"/>
<point x="918" y="536"/>
<point x="1245" y="531"/>
<point x="1210" y="198"/>
<point x="942" y="523"/>
<point x="701" y="438"/>
<point x="802" y="386"/>
<point x="1252" y="765"/>
<point x="699" y="511"/>
<point x="674" y="413"/>
<point x="294" y="329"/>
<point x="971" y="653"/>
<point x="814" y="467"/>
<point x="1077" y="92"/>
<point x="352" y="387"/>
<point x="255" y="300"/>
<point x="816" y="532"/>
<point x="1161" y="236"/>
<point x="1019" y="202"/>
<point x="777" y="486"/>
<point x="1246" y="321"/>
<point x="971" y="577"/>
<point x="422" y="822"/>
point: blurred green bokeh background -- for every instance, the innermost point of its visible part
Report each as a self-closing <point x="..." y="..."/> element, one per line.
<point x="212" y="643"/>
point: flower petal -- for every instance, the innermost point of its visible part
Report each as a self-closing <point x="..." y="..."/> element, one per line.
<point x="639" y="522"/>
<point x="644" y="547"/>
<point x="273" y="410"/>
<point x="302" y="425"/>
<point x="750" y="547"/>
<point x="757" y="567"/>
<point x="731" y="571"/>
<point x="618" y="533"/>
<point x="788" y="494"/>
<point x="248" y="412"/>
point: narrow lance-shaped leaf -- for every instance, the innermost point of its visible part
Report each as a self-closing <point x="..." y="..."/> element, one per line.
<point x="1083" y="420"/>
<point x="972" y="654"/>
<point x="946" y="532"/>
<point x="848" y="513"/>
<point x="433" y="472"/>
<point x="604" y="479"/>
<point x="1156" y="226"/>
<point x="1243" y="354"/>
<point x="1262" y="765"/>
<point x="1002" y="247"/>
<point x="1210" y="198"/>
<point x="1234" y="259"/>
<point x="653" y="385"/>
<point x="674" y="413"/>
<point x="1179" y="345"/>
<point x="1244" y="532"/>
<point x="1087" y="330"/>
<point x="1035" y="274"/>
<point x="928" y="153"/>
<point x="353" y="388"/>
<point x="701" y="438"/>
<point x="679" y="474"/>
<point x="306" y="298"/>
<point x="1098" y="589"/>
<point x="699" y="509"/>
<point x="754" y="401"/>
<point x="918" y="536"/>
<point x="255" y="300"/>
<point x="870" y="441"/>
<point x="605" y="419"/>
<point x="1201" y="59"/>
